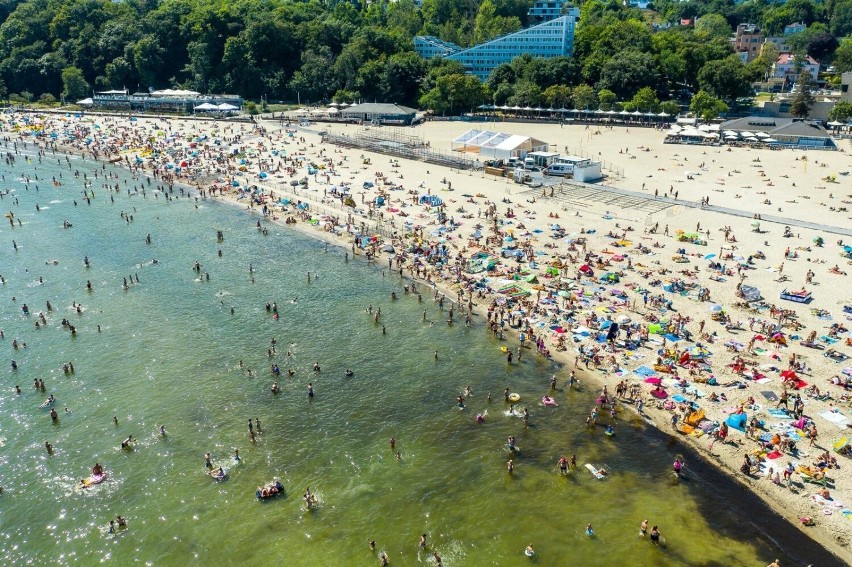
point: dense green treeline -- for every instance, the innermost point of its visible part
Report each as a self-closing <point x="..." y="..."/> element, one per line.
<point x="314" y="51"/>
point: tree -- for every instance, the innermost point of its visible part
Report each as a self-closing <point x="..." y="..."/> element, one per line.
<point x="707" y="106"/>
<point x="670" y="107"/>
<point x="841" y="19"/>
<point x="47" y="99"/>
<point x="585" y="98"/>
<point x="760" y="67"/>
<point x="646" y="100"/>
<point x="557" y="96"/>
<point x="841" y="112"/>
<point x="454" y="93"/>
<point x="606" y="99"/>
<point x="489" y="25"/>
<point x="526" y="94"/>
<point x="843" y="56"/>
<point x="502" y="93"/>
<point x="803" y="99"/>
<point x="726" y="79"/>
<point x="712" y="25"/>
<point x="628" y="72"/>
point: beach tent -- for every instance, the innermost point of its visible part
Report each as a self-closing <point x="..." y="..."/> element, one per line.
<point x="737" y="421"/>
<point x="206" y="107"/>
<point x="225" y="106"/>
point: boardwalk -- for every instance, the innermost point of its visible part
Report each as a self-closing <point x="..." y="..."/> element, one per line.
<point x="581" y="195"/>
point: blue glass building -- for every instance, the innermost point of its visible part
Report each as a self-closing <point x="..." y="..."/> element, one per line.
<point x="551" y="38"/>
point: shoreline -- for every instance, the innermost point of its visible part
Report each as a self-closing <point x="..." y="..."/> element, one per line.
<point x="722" y="473"/>
<point x="658" y="418"/>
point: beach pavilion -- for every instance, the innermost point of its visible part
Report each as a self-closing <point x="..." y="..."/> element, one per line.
<point x="781" y="132"/>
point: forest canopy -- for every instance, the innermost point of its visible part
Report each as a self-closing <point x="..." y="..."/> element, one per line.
<point x="320" y="51"/>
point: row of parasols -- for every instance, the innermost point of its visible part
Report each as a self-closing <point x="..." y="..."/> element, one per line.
<point x="208" y="107"/>
<point x="711" y="131"/>
<point x="599" y="112"/>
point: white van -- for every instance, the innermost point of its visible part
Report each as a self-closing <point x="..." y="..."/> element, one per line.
<point x="560" y="169"/>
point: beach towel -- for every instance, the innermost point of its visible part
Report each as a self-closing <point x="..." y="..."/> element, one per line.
<point x="835" y="417"/>
<point x="774" y="455"/>
<point x="770" y="396"/>
<point x="763" y="380"/>
<point x="778" y="412"/>
<point x="644" y="371"/>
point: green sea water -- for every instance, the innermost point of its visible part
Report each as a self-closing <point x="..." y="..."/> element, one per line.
<point x="169" y="352"/>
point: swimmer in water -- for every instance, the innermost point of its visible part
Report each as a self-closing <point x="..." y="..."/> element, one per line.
<point x="589" y="530"/>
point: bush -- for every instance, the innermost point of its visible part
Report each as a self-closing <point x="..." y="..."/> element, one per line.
<point x="250" y="107"/>
<point x="47" y="99"/>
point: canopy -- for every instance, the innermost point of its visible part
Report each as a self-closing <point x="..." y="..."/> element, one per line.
<point x="226" y="106"/>
<point x="206" y="106"/>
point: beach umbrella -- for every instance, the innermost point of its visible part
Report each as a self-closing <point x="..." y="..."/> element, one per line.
<point x="709" y="256"/>
<point x="762" y="135"/>
<point x="663" y="114"/>
<point x="624" y="320"/>
<point x="716" y="308"/>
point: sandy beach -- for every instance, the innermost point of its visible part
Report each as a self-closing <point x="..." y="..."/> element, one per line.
<point x="688" y="344"/>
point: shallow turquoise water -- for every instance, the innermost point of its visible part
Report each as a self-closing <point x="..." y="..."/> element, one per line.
<point x="169" y="352"/>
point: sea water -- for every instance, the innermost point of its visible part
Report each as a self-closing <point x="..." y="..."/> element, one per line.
<point x="170" y="351"/>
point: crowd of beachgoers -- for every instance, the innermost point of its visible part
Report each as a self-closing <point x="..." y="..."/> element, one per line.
<point x="730" y="332"/>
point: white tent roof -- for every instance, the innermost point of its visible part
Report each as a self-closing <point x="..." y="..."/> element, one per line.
<point x="85" y="102"/>
<point x="206" y="106"/>
<point x="174" y="92"/>
<point x="226" y="106"/>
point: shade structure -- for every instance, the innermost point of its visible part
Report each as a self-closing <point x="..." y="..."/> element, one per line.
<point x="226" y="106"/>
<point x="206" y="106"/>
<point x="663" y="114"/>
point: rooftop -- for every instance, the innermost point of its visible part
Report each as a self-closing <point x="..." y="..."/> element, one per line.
<point x="790" y="59"/>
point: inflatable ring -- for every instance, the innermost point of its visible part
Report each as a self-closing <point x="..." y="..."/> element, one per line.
<point x="514" y="397"/>
<point x="504" y="350"/>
